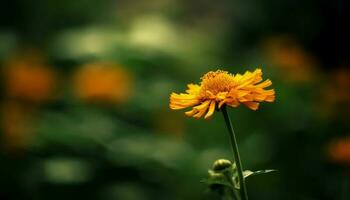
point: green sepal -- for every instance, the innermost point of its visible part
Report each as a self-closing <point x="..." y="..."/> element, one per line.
<point x="217" y="179"/>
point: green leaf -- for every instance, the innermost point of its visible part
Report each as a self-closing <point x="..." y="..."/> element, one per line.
<point x="248" y="173"/>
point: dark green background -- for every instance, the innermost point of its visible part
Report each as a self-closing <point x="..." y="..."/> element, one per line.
<point x="94" y="151"/>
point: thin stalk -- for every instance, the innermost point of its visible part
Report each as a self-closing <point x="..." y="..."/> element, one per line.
<point x="243" y="189"/>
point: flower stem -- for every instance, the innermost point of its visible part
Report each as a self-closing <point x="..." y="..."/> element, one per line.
<point x="243" y="189"/>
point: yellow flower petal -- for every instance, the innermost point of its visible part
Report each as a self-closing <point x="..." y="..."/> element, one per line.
<point x="221" y="103"/>
<point x="211" y="110"/>
<point x="193" y="88"/>
<point x="252" y="105"/>
<point x="264" y="84"/>
<point x="201" y="109"/>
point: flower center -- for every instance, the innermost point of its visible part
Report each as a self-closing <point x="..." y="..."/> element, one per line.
<point x="216" y="82"/>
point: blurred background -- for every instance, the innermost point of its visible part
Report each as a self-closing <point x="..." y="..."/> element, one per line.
<point x="85" y="90"/>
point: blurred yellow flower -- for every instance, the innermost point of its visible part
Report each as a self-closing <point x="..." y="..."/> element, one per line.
<point x="27" y="77"/>
<point x="222" y="88"/>
<point x="339" y="151"/>
<point x="102" y="82"/>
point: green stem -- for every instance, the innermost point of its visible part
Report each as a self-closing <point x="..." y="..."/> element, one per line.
<point x="243" y="189"/>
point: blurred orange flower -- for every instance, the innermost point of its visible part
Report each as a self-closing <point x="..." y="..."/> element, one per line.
<point x="341" y="85"/>
<point x="287" y="55"/>
<point x="336" y="94"/>
<point x="102" y="82"/>
<point x="15" y="124"/>
<point x="222" y="88"/>
<point x="339" y="151"/>
<point x="27" y="77"/>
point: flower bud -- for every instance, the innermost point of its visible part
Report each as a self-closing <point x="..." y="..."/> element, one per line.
<point x="221" y="165"/>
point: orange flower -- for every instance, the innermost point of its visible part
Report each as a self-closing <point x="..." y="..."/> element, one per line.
<point x="222" y="88"/>
<point x="339" y="151"/>
<point x="28" y="78"/>
<point x="102" y="81"/>
<point x="335" y="95"/>
<point x="288" y="55"/>
<point x="340" y="88"/>
<point x="15" y="124"/>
